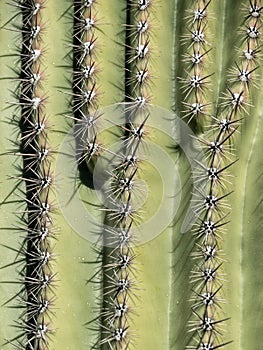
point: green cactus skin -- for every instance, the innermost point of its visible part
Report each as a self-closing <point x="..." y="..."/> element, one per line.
<point x="165" y="263"/>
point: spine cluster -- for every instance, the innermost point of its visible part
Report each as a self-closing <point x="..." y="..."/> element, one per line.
<point x="85" y="71"/>
<point x="213" y="188"/>
<point x="36" y="256"/>
<point x="196" y="81"/>
<point x="123" y="189"/>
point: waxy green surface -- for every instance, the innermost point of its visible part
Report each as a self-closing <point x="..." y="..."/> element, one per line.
<point x="163" y="264"/>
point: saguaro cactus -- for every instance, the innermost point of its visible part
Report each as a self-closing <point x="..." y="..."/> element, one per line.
<point x="131" y="174"/>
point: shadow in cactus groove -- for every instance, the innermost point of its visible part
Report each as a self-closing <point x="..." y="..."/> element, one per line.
<point x="181" y="262"/>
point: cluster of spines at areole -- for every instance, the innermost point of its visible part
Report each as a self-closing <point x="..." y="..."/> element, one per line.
<point x="35" y="180"/>
<point x="120" y="284"/>
<point x="36" y="274"/>
<point x="196" y="81"/>
<point x="85" y="106"/>
<point x="214" y="186"/>
<point x="84" y="85"/>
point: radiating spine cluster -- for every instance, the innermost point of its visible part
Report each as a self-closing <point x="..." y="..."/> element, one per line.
<point x="35" y="254"/>
<point x="123" y="189"/>
<point x="212" y="208"/>
<point x="196" y="81"/>
<point x="122" y="193"/>
<point x="84" y="88"/>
